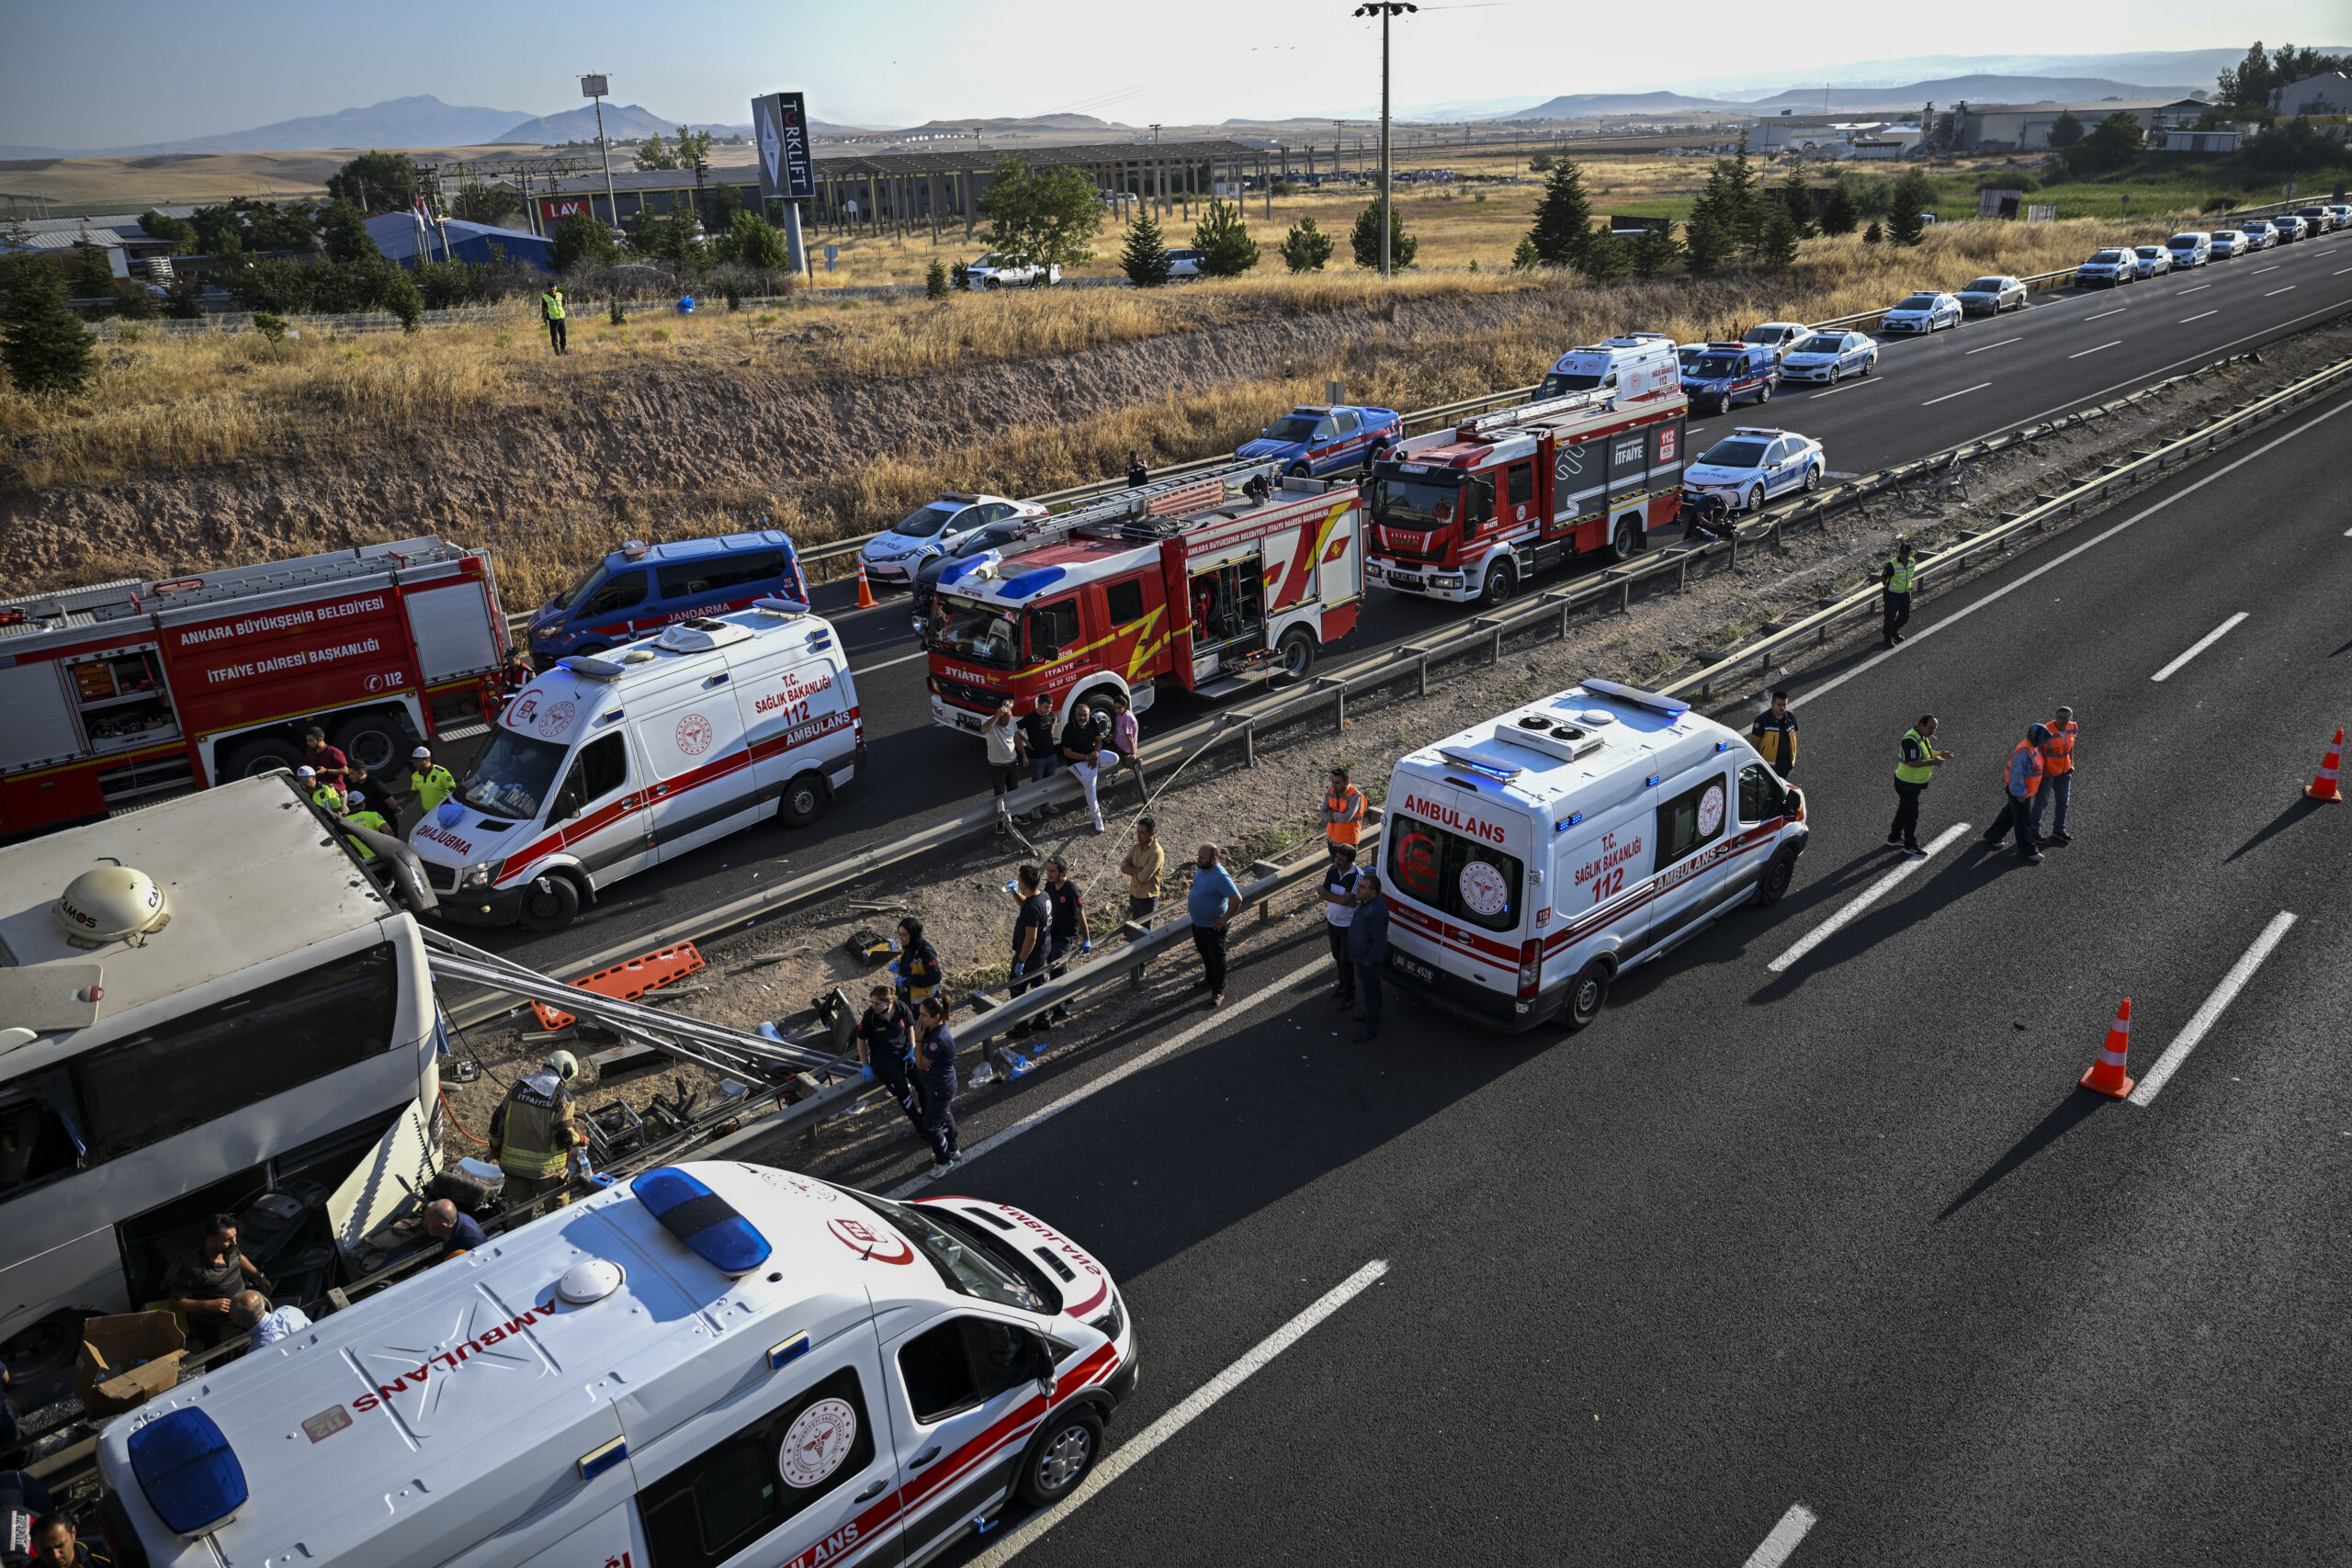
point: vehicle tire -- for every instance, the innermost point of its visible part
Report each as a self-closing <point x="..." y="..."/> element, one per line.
<point x="1373" y="453"/>
<point x="262" y="754"/>
<point x="1812" y="478"/>
<point x="1065" y="1449"/>
<point x="804" y="800"/>
<point x="587" y="649"/>
<point x="1755" y="501"/>
<point x="376" y="741"/>
<point x="1501" y="578"/>
<point x="1776" y="877"/>
<point x="551" y="904"/>
<point x="1586" y="996"/>
<point x="1870" y="364"/>
<point x="1296" y="652"/>
<point x="1763" y="394"/>
<point x="1299" y="471"/>
<point x="1626" y="542"/>
<point x="1723" y="404"/>
<point x="1834" y="373"/>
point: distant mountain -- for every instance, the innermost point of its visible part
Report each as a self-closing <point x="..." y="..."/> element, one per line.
<point x="1948" y="90"/>
<point x="622" y="122"/>
<point x="1589" y="106"/>
<point x="420" y="122"/>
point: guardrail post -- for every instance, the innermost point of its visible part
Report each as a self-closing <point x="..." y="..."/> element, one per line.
<point x="1566" y="604"/>
<point x="1341" y="723"/>
<point x="1625" y="597"/>
<point x="1249" y="742"/>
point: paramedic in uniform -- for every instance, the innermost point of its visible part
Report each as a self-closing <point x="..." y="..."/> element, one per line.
<point x="1368" y="950"/>
<point x="918" y="964"/>
<point x="2021" y="779"/>
<point x="2057" y="776"/>
<point x="1912" y="775"/>
<point x="536" y="1130"/>
<point x="1339" y="909"/>
<point x="884" y="1033"/>
<point x="935" y="1069"/>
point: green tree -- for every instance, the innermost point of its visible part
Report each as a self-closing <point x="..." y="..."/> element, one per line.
<point x="1540" y="163"/>
<point x="1796" y="199"/>
<point x="726" y="201"/>
<point x="655" y="154"/>
<point x="478" y="203"/>
<point x="1305" y="248"/>
<point x="92" y="274"/>
<point x="1606" y="257"/>
<point x="1871" y="236"/>
<point x="346" y="233"/>
<point x="584" y="239"/>
<point x="673" y="237"/>
<point x="2113" y="142"/>
<point x="693" y="148"/>
<point x="174" y="230"/>
<point x="1730" y="200"/>
<point x="443" y="284"/>
<point x="1655" y="251"/>
<point x="1906" y="203"/>
<point x="1226" y="249"/>
<point x="131" y="300"/>
<point x="1144" y="258"/>
<point x="43" y="344"/>
<point x="1837" y="213"/>
<point x="935" y="282"/>
<point x="2065" y="130"/>
<point x="751" y="241"/>
<point x="1524" y="258"/>
<point x="1563" y="230"/>
<point x="379" y="182"/>
<point x="1777" y="250"/>
<point x="399" y="296"/>
<point x="1048" y="216"/>
<point x="1707" y="244"/>
<point x="1364" y="241"/>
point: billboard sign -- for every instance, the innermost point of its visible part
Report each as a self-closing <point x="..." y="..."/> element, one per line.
<point x="780" y="125"/>
<point x="593" y="87"/>
<point x="557" y="209"/>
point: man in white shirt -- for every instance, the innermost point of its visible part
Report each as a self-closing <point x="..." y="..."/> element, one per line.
<point x="251" y="1311"/>
<point x="1339" y="910"/>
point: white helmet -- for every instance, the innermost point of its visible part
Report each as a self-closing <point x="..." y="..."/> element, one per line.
<point x="563" y="1064"/>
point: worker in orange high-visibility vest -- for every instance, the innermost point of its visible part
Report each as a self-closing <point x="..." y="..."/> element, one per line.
<point x="1342" y="810"/>
<point x="2022" y="781"/>
<point x="2057" y="776"/>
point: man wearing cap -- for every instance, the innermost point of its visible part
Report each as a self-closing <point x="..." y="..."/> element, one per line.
<point x="324" y="793"/>
<point x="356" y="813"/>
<point x="1339" y="881"/>
<point x="429" y="784"/>
<point x="536" y="1130"/>
<point x="2022" y="780"/>
<point x="2057" y="776"/>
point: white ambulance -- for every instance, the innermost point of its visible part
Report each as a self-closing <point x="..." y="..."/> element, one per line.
<point x="610" y="762"/>
<point x="1535" y="857"/>
<point x="717" y="1363"/>
<point x="1635" y="368"/>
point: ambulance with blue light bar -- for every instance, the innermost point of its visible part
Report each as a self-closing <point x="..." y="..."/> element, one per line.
<point x="717" y="1363"/>
<point x="610" y="763"/>
<point x="1531" y="859"/>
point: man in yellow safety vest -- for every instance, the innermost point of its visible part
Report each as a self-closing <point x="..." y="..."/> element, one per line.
<point x="1896" y="577"/>
<point x="429" y="784"/>
<point x="552" y="313"/>
<point x="356" y="812"/>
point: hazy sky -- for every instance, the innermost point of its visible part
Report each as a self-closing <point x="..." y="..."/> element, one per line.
<point x="139" y="71"/>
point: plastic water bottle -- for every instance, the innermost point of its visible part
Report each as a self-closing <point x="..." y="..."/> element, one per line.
<point x="767" y="1030"/>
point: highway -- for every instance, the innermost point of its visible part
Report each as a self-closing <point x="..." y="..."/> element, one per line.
<point x="2066" y="349"/>
<point x="1831" y="1263"/>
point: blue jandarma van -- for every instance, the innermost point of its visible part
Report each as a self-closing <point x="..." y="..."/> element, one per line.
<point x="639" y="588"/>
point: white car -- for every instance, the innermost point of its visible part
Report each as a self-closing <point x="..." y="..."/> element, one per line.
<point x="894" y="554"/>
<point x="2151" y="260"/>
<point x="2226" y="244"/>
<point x="1922" y="313"/>
<point x="2107" y="269"/>
<point x="1185" y="262"/>
<point x="1992" y="294"/>
<point x="1777" y="335"/>
<point x="1830" y="357"/>
<point x="2189" y="249"/>
<point x="1002" y="269"/>
<point x="1752" y="465"/>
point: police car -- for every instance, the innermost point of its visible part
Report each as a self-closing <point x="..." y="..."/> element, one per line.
<point x="1750" y="465"/>
<point x="1314" y="439"/>
<point x="1923" y="313"/>
<point x="1728" y="373"/>
<point x="715" y="1363"/>
<point x="1830" y="357"/>
<point x="1776" y="335"/>
<point x="893" y="555"/>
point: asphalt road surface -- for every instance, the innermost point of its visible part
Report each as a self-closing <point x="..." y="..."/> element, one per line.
<point x="2066" y="349"/>
<point x="1831" y="1263"/>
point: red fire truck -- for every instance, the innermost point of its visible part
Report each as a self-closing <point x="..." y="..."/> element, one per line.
<point x="1215" y="584"/>
<point x="118" y="695"/>
<point x="1474" y="512"/>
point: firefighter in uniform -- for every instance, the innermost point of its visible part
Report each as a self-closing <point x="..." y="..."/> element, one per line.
<point x="536" y="1130"/>
<point x="1342" y="810"/>
<point x="429" y="784"/>
<point x="358" y="815"/>
<point x="2021" y="781"/>
<point x="1897" y="578"/>
<point x="552" y="313"/>
<point x="2057" y="776"/>
<point x="1914" y="772"/>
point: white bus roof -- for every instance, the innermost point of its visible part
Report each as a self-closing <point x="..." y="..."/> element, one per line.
<point x="248" y="873"/>
<point x="1577" y="752"/>
<point x="426" y="1419"/>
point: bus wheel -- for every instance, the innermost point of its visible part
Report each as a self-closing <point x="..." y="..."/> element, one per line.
<point x="1296" y="651"/>
<point x="1064" y="1452"/>
<point x="804" y="800"/>
<point x="264" y="754"/>
<point x="1587" y="996"/>
<point x="551" y="904"/>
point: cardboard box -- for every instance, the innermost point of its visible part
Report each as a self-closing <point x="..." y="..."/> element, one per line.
<point x="127" y="1360"/>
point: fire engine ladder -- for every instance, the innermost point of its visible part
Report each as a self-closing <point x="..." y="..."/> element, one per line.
<point x="1487" y="424"/>
<point x="1167" y="498"/>
<point x="732" y="1051"/>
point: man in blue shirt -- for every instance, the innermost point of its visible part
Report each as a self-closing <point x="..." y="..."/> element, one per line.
<point x="455" y="1231"/>
<point x="250" y="1311"/>
<point x="1213" y="900"/>
<point x="1368" y="950"/>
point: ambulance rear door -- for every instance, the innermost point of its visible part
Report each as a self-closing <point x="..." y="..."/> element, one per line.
<point x="692" y="737"/>
<point x="1457" y="876"/>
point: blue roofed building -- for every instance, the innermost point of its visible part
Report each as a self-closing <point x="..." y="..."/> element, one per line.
<point x="401" y="237"/>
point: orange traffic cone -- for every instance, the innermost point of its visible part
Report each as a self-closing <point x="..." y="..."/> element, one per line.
<point x="2106" y="1076"/>
<point x="2325" y="786"/>
<point x="865" y="589"/>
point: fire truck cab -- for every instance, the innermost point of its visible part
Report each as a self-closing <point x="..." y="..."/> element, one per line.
<point x="1213" y="584"/>
<point x="1474" y="512"/>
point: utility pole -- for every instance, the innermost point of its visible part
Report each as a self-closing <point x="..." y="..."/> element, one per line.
<point x="1385" y="9"/>
<point x="597" y="87"/>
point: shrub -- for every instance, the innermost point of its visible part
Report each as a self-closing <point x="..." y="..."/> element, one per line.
<point x="935" y="284"/>
<point x="1227" y="249"/>
<point x="1144" y="258"/>
<point x="1305" y="248"/>
<point x="1364" y="242"/>
<point x="44" y="345"/>
<point x="1871" y="235"/>
<point x="584" y="239"/>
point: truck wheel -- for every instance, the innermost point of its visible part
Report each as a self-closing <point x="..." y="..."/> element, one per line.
<point x="262" y="754"/>
<point x="1065" y="1449"/>
<point x="1296" y="651"/>
<point x="1500" y="580"/>
<point x="804" y="800"/>
<point x="551" y="904"/>
<point x="1776" y="877"/>
<point x="1626" y="542"/>
<point x="1586" y="996"/>
<point x="376" y="741"/>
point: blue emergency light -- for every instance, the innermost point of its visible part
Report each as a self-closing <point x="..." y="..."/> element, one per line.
<point x="707" y="1224"/>
<point x="188" y="1471"/>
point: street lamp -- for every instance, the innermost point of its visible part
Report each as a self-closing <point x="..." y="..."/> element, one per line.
<point x="597" y="87"/>
<point x="1385" y="9"/>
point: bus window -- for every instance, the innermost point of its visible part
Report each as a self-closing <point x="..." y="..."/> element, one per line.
<point x="39" y="1136"/>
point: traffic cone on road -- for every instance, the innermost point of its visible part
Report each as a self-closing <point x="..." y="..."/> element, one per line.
<point x="2106" y="1076"/>
<point x="2325" y="786"/>
<point x="865" y="589"/>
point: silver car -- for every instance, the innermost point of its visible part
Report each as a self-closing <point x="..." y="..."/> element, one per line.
<point x="1992" y="296"/>
<point x="2151" y="260"/>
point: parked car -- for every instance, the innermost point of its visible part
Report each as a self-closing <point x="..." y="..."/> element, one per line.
<point x="2223" y="243"/>
<point x="1922" y="313"/>
<point x="2189" y="250"/>
<point x="1752" y="465"/>
<point x="989" y="542"/>
<point x="2288" y="227"/>
<point x="1776" y="336"/>
<point x="893" y="555"/>
<point x="1318" y="438"/>
<point x="2259" y="234"/>
<point x="1730" y="373"/>
<point x="1006" y="269"/>
<point x="2151" y="260"/>
<point x="1991" y="295"/>
<point x="2317" y="219"/>
<point x="1831" y="356"/>
<point x="2107" y="269"/>
<point x="2341" y="212"/>
<point x="1185" y="262"/>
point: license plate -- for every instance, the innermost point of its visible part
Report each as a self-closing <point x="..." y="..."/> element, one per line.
<point x="1413" y="966"/>
<point x="1404" y="579"/>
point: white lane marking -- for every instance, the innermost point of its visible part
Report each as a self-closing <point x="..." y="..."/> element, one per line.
<point x="1132" y="1453"/>
<point x="902" y="658"/>
<point x="1150" y="1058"/>
<point x="2340" y="271"/>
<point x="1948" y="397"/>
<point x="1934" y="626"/>
<point x="2088" y="352"/>
<point x="2289" y="289"/>
<point x="1869" y="896"/>
<point x="2186" y="320"/>
<point x="2223" y="995"/>
<point x="2200" y="645"/>
<point x="1847" y="387"/>
<point x="1784" y="1538"/>
<point x="2207" y="285"/>
<point x="2105" y="314"/>
<point x="2003" y="343"/>
<point x="2260" y="270"/>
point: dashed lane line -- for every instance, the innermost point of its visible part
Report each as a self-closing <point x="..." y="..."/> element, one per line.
<point x="1869" y="895"/>
<point x="2154" y="1081"/>
<point x="2105" y="314"/>
<point x="2003" y="343"/>
<point x="2289" y="289"/>
<point x="1948" y="397"/>
<point x="1130" y="1454"/>
<point x="1792" y="1529"/>
<point x="902" y="658"/>
<point x="2186" y="320"/>
<point x="2102" y="348"/>
<point x="2200" y="646"/>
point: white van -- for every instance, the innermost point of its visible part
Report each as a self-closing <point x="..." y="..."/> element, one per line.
<point x="1638" y="366"/>
<point x="1533" y="857"/>
<point x="717" y="1363"/>
<point x="2193" y="248"/>
<point x="610" y="762"/>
